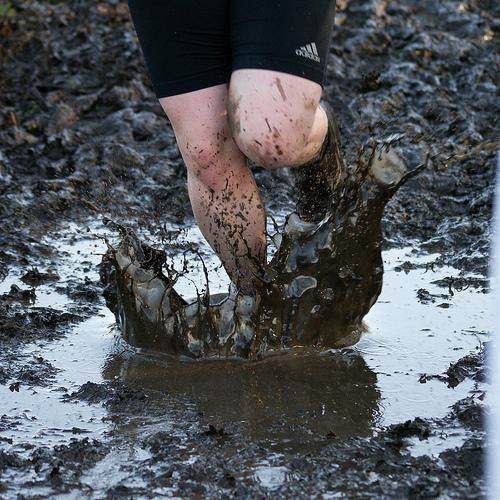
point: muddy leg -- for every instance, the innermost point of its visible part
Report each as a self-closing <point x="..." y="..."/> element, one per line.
<point x="277" y="121"/>
<point x="225" y="199"/>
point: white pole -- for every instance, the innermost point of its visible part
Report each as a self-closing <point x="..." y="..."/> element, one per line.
<point x="493" y="462"/>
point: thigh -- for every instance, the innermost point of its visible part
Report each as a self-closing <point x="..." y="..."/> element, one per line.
<point x="290" y="36"/>
<point x="186" y="43"/>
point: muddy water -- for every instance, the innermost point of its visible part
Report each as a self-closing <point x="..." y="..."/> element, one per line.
<point x="78" y="356"/>
<point x="301" y="400"/>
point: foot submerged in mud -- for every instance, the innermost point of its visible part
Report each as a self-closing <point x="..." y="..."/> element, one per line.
<point x="322" y="281"/>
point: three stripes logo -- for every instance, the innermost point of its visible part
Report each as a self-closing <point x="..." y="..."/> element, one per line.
<point x="310" y="51"/>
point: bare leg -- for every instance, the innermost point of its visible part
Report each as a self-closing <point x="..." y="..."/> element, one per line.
<point x="225" y="199"/>
<point x="276" y="117"/>
<point x="278" y="121"/>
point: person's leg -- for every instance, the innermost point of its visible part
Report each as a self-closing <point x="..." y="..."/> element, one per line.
<point x="280" y="52"/>
<point x="277" y="121"/>
<point x="276" y="118"/>
<point x="186" y="44"/>
<point x="222" y="190"/>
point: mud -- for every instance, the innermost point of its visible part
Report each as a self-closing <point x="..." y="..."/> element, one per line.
<point x="322" y="281"/>
<point x="83" y="413"/>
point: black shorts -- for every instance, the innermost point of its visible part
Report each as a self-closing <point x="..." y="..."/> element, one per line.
<point x="194" y="44"/>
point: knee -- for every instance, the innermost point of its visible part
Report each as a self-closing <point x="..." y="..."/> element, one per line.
<point x="205" y="161"/>
<point x="271" y="139"/>
<point x="268" y="143"/>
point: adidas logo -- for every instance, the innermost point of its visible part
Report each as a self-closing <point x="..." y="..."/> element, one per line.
<point x="310" y="51"/>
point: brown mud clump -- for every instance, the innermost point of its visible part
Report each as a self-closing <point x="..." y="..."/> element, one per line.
<point x="322" y="281"/>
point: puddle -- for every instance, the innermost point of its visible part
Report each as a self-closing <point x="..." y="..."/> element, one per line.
<point x="301" y="400"/>
<point x="407" y="338"/>
<point x="79" y="356"/>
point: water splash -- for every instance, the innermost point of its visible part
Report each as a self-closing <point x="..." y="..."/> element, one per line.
<point x="321" y="282"/>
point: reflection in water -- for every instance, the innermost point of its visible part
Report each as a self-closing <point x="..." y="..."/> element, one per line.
<point x="294" y="399"/>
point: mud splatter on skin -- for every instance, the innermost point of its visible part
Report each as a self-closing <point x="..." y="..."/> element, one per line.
<point x="278" y="84"/>
<point x="233" y="105"/>
<point x="268" y="125"/>
<point x="310" y="103"/>
<point x="228" y="227"/>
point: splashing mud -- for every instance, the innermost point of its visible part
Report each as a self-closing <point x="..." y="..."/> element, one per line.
<point x="322" y="281"/>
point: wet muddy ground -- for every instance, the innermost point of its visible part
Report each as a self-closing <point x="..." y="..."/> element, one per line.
<point x="397" y="415"/>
